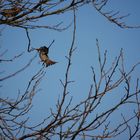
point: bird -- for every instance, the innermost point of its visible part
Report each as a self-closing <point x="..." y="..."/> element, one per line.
<point x="11" y="12"/>
<point x="43" y="54"/>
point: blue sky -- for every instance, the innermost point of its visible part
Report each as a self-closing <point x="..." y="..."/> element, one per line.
<point x="90" y="25"/>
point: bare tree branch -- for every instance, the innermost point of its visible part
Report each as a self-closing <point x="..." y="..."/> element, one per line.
<point x="20" y="70"/>
<point x="68" y="119"/>
<point x="12" y="59"/>
<point x="24" y="13"/>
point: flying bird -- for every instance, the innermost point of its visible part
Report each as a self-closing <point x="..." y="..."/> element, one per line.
<point x="43" y="54"/>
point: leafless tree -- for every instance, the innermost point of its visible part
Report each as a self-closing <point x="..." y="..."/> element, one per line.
<point x="68" y="120"/>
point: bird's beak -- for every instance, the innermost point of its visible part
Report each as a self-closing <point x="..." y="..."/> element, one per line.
<point x="37" y="49"/>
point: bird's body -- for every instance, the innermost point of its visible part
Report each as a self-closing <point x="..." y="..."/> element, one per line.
<point x="11" y="12"/>
<point x="43" y="54"/>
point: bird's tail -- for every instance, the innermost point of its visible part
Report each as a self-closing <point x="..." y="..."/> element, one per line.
<point x="50" y="62"/>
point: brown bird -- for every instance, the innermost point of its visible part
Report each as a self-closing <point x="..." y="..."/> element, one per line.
<point x="11" y="12"/>
<point x="43" y="54"/>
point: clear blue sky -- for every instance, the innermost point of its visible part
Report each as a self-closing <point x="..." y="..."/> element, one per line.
<point x="90" y="25"/>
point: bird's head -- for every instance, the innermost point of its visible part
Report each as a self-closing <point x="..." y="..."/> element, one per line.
<point x="43" y="49"/>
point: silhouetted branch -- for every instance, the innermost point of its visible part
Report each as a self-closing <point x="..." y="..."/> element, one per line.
<point x="86" y="119"/>
<point x="13" y="110"/>
<point x="20" y="70"/>
<point x="29" y="41"/>
<point x="51" y="27"/>
<point x="12" y="59"/>
<point x="51" y="44"/>
<point x="24" y="13"/>
<point x="56" y="119"/>
<point x="112" y="16"/>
